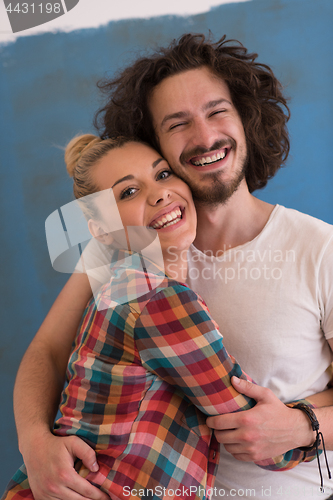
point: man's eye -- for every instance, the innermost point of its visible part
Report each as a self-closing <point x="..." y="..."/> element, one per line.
<point x="172" y="127"/>
<point x="218" y="112"/>
<point x="127" y="193"/>
<point x="164" y="174"/>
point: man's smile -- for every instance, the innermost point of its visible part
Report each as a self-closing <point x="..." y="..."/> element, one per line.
<point x="203" y="159"/>
<point x="209" y="159"/>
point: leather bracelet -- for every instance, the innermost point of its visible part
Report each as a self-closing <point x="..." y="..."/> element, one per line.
<point x="314" y="425"/>
<point x="319" y="439"/>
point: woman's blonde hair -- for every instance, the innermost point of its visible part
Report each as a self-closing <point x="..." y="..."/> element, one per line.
<point x="81" y="154"/>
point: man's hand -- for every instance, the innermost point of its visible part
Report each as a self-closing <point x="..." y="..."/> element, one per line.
<point x="267" y="430"/>
<point x="57" y="478"/>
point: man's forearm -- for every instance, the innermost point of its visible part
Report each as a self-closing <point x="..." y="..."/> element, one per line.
<point x="325" y="419"/>
<point x="324" y="412"/>
<point x="42" y="372"/>
<point x="36" y="394"/>
<point x="270" y="428"/>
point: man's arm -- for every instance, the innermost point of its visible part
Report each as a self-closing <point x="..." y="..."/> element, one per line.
<point x="203" y="371"/>
<point x="49" y="459"/>
<point x="271" y="428"/>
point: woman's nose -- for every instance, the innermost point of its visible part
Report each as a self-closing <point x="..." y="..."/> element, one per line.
<point x="158" y="196"/>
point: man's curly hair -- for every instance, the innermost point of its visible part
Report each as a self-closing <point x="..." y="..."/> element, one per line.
<point x="255" y="92"/>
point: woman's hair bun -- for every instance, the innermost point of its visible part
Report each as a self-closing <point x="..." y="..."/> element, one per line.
<point x="76" y="147"/>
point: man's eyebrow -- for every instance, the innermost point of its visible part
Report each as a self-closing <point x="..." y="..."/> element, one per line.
<point x="126" y="178"/>
<point x="212" y="104"/>
<point x="185" y="114"/>
<point x="172" y="116"/>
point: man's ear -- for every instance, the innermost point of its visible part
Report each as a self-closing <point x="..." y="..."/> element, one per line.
<point x="97" y="231"/>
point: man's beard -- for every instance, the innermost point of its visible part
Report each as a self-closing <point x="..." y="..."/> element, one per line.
<point x="218" y="192"/>
<point x="215" y="192"/>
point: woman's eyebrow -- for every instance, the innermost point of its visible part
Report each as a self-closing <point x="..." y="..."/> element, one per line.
<point x="130" y="176"/>
<point x="126" y="178"/>
<point x="156" y="162"/>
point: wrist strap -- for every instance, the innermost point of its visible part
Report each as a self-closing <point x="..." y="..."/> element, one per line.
<point x="319" y="438"/>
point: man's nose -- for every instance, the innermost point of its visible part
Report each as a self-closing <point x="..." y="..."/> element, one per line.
<point x="203" y="134"/>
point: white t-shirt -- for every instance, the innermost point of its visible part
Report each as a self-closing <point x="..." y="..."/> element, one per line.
<point x="273" y="301"/>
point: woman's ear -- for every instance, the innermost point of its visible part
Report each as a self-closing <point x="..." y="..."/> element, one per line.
<point x="97" y="231"/>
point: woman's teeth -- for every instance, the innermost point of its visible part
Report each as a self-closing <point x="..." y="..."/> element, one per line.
<point x="210" y="159"/>
<point x="168" y="219"/>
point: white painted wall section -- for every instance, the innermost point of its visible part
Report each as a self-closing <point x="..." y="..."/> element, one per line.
<point x="94" y="13"/>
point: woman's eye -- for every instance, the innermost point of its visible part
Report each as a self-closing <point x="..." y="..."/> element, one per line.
<point x="164" y="174"/>
<point x="127" y="193"/>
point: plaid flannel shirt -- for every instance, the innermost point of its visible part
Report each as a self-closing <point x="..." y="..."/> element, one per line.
<point x="145" y="372"/>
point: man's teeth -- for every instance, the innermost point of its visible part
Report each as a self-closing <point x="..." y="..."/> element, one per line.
<point x="210" y="159"/>
<point x="168" y="219"/>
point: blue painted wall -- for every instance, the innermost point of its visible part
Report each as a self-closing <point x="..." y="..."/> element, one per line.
<point x="47" y="88"/>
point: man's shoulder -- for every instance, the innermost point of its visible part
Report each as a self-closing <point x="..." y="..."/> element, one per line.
<point x="294" y="214"/>
<point x="302" y="223"/>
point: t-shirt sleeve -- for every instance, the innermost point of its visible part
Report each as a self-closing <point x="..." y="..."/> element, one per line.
<point x="325" y="292"/>
<point x="178" y="340"/>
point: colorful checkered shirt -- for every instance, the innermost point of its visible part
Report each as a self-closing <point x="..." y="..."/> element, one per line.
<point x="144" y="374"/>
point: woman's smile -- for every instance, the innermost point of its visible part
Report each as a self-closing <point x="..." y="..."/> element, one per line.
<point x="148" y="193"/>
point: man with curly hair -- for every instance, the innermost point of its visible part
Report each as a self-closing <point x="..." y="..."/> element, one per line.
<point x="219" y="118"/>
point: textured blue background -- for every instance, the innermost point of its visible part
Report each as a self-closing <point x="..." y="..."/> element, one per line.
<point x="48" y="94"/>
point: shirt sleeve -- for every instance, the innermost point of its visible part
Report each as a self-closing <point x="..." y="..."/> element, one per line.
<point x="325" y="290"/>
<point x="179" y="341"/>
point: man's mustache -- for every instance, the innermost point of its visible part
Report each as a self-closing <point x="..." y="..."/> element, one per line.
<point x="199" y="150"/>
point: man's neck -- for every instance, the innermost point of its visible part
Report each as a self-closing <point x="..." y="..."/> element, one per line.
<point x="234" y="223"/>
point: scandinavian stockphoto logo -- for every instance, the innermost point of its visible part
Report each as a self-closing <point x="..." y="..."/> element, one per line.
<point x="25" y="15"/>
<point x="112" y="250"/>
